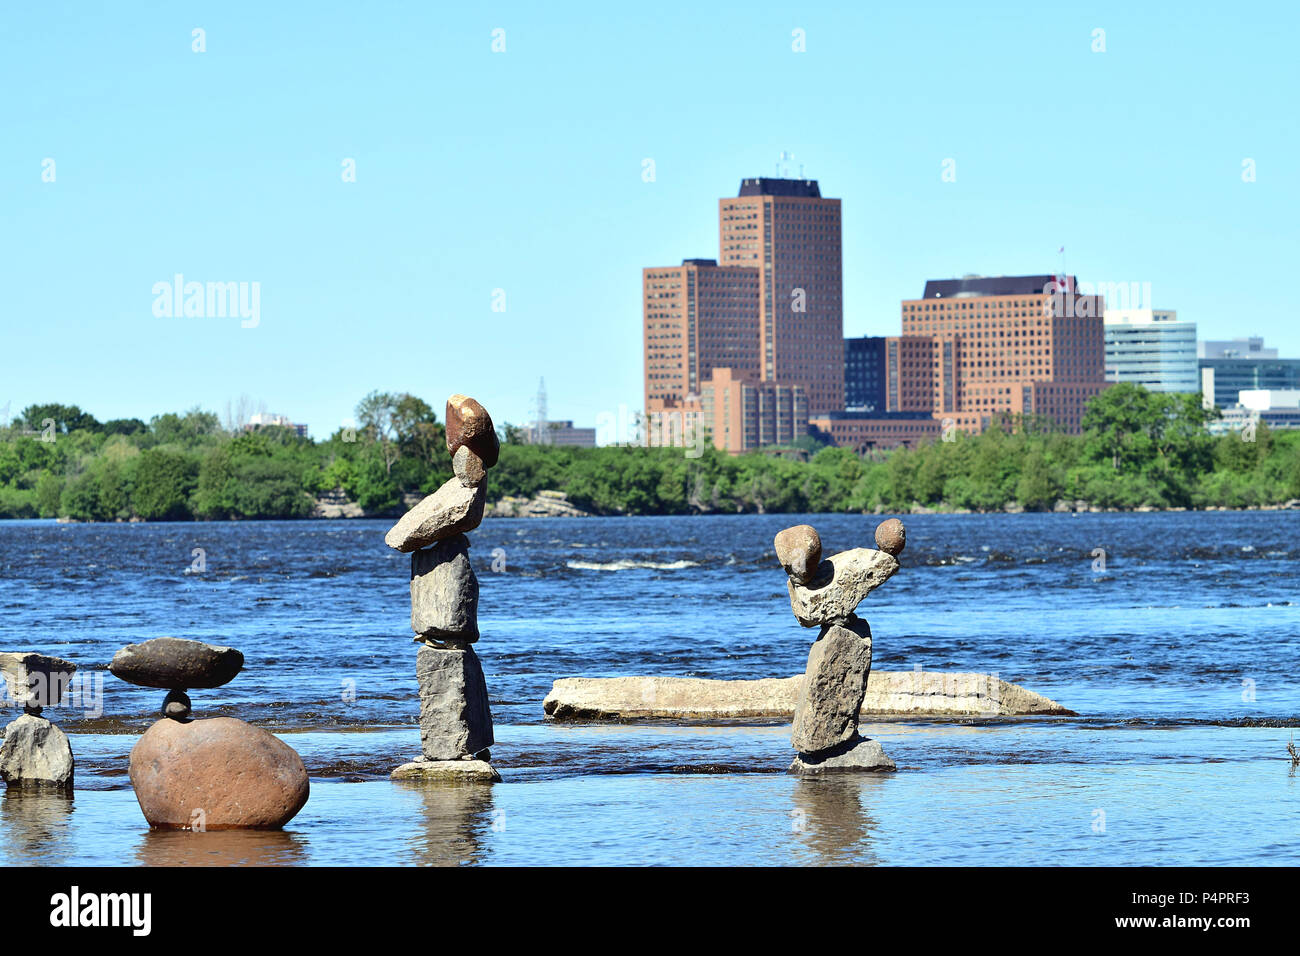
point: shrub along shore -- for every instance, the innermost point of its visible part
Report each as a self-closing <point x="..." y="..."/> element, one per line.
<point x="1139" y="451"/>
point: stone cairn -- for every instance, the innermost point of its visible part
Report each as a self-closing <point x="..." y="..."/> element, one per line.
<point x="219" y="773"/>
<point x="36" y="754"/>
<point x="825" y="594"/>
<point x="455" y="719"/>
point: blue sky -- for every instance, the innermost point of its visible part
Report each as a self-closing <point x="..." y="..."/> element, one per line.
<point x="522" y="171"/>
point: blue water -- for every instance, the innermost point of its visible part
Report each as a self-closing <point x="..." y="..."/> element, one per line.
<point x="1179" y="657"/>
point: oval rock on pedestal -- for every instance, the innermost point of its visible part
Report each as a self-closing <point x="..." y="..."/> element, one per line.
<point x="173" y="662"/>
<point x="216" y="774"/>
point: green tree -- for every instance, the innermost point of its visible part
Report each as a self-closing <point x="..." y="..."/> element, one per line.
<point x="163" y="483"/>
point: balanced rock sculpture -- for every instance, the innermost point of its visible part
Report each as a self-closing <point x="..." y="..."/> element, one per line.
<point x="825" y="594"/>
<point x="36" y="754"/>
<point x="214" y="774"/>
<point x="455" y="719"/>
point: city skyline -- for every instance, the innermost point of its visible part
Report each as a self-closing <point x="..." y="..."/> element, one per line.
<point x="476" y="171"/>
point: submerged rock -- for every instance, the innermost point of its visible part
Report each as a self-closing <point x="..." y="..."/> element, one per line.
<point x="444" y="591"/>
<point x="799" y="549"/>
<point x="452" y="509"/>
<point x="858" y="755"/>
<point x="173" y="662"/>
<point x="216" y="774"/>
<point x="841" y="583"/>
<point x="455" y="719"/>
<point x="448" y="771"/>
<point x="835" y="682"/>
<point x="36" y="754"/>
<point x="889" y="693"/>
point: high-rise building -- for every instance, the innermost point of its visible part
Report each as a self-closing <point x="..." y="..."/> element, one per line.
<point x="1151" y="348"/>
<point x="697" y="317"/>
<point x="984" y="348"/>
<point x="864" y="374"/>
<point x="786" y="230"/>
<point x="769" y="310"/>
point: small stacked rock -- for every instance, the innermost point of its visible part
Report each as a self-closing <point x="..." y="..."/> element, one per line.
<point x="215" y="774"/>
<point x="36" y="754"/>
<point x="455" y="719"/>
<point x="825" y="594"/>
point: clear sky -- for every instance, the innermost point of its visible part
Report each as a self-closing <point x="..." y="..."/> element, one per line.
<point x="522" y="171"/>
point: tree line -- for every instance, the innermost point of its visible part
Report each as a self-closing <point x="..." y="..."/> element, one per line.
<point x="1138" y="449"/>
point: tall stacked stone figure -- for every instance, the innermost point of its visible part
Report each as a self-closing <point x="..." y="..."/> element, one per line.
<point x="36" y="754"/>
<point x="825" y="594"/>
<point x="455" y="719"/>
<point x="214" y="774"/>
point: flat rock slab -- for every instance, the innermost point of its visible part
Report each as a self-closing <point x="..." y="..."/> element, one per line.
<point x="451" y="510"/>
<point x="444" y="591"/>
<point x="176" y="663"/>
<point x="834" y="684"/>
<point x="888" y="694"/>
<point x="448" y="771"/>
<point x="216" y="774"/>
<point x="36" y="754"/>
<point x="35" y="680"/>
<point x="455" y="719"/>
<point x="839" y="586"/>
<point x="857" y="756"/>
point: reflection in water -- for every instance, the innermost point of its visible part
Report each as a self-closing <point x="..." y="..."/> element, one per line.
<point x="36" y="825"/>
<point x="456" y="818"/>
<point x="835" y="825"/>
<point x="220" y="848"/>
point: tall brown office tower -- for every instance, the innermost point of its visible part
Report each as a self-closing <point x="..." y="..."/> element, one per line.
<point x="791" y="235"/>
<point x="697" y="317"/>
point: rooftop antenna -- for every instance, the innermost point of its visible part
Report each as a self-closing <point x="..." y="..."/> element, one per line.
<point x="541" y="434"/>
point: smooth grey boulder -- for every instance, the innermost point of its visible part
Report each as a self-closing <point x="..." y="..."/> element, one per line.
<point x="835" y="682"/>
<point x="859" y="755"/>
<point x="35" y="680"/>
<point x="839" y="586"/>
<point x="455" y="719"/>
<point x="452" y="509"/>
<point x="36" y="754"/>
<point x="176" y="663"/>
<point x="444" y="591"/>
<point x="799" y="549"/>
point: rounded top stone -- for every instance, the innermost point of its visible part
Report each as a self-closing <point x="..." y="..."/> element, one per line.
<point x="176" y="663"/>
<point x="891" y="536"/>
<point x="468" y="423"/>
<point x="799" y="549"/>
